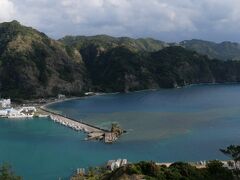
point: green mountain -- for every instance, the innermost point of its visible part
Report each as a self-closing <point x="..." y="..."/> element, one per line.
<point x="104" y="42"/>
<point x="120" y="69"/>
<point x="33" y="65"/>
<point x="224" y="50"/>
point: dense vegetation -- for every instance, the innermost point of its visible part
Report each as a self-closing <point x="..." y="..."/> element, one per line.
<point x="104" y="43"/>
<point x="149" y="170"/>
<point x="6" y="173"/>
<point x="33" y="66"/>
<point x="233" y="152"/>
<point x="120" y="69"/>
<point x="223" y="51"/>
<point x="214" y="170"/>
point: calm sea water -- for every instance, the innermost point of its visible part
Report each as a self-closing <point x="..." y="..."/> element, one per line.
<point x="187" y="124"/>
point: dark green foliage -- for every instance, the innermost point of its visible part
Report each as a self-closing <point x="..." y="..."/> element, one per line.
<point x="233" y="151"/>
<point x="6" y="173"/>
<point x="134" y="169"/>
<point x="216" y="171"/>
<point x="120" y="69"/>
<point x="177" y="171"/>
<point x="151" y="171"/>
<point x="223" y="51"/>
<point x="107" y="42"/>
<point x="32" y="65"/>
<point x="187" y="171"/>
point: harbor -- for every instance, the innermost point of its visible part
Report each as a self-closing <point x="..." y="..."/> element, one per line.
<point x="7" y="111"/>
<point x="93" y="132"/>
<point x="37" y="110"/>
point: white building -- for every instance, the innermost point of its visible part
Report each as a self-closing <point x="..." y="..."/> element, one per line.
<point x="124" y="162"/>
<point x="8" y="112"/>
<point x="61" y="96"/>
<point x="89" y="93"/>
<point x="3" y="113"/>
<point x="5" y="103"/>
<point x="24" y="112"/>
<point x="28" y="109"/>
<point x="114" y="164"/>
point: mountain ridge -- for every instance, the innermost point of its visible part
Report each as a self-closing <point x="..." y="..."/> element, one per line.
<point x="225" y="50"/>
<point x="32" y="65"/>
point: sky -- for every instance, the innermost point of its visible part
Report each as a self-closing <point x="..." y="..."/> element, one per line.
<point x="167" y="20"/>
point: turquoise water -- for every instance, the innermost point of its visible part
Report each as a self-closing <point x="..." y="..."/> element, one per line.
<point x="187" y="124"/>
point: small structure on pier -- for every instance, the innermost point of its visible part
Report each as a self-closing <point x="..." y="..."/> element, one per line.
<point x="114" y="134"/>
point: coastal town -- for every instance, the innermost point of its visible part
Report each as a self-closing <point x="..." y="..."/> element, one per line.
<point x="8" y="110"/>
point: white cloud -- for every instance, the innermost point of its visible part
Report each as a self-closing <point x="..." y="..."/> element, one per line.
<point x="7" y="10"/>
<point x="129" y="14"/>
<point x="170" y="20"/>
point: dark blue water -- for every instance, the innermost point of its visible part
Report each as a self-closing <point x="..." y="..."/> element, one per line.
<point x="187" y="124"/>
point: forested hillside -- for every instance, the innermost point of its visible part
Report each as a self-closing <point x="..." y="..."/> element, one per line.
<point x="33" y="65"/>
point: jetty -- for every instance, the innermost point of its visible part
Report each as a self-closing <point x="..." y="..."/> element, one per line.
<point x="93" y="132"/>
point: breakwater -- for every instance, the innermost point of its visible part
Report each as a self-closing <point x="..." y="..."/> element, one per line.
<point x="92" y="131"/>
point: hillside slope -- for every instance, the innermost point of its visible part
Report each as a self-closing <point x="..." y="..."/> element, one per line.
<point x="33" y="65"/>
<point x="224" y="51"/>
<point x="105" y="42"/>
<point x="120" y="69"/>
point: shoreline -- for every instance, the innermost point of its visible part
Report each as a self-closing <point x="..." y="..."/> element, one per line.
<point x="43" y="103"/>
<point x="59" y="101"/>
<point x="51" y="100"/>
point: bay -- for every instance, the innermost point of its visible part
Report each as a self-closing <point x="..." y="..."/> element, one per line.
<point x="186" y="124"/>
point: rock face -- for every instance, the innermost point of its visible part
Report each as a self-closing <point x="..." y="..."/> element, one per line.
<point x="33" y="65"/>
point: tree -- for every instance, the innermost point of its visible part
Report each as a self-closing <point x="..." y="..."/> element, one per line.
<point x="117" y="129"/>
<point x="6" y="173"/>
<point x="216" y="171"/>
<point x="233" y="152"/>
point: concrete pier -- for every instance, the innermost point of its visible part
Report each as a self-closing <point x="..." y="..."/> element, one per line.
<point x="78" y="126"/>
<point x="92" y="131"/>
